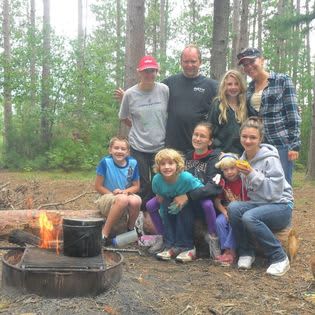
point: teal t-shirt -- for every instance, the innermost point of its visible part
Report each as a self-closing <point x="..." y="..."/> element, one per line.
<point x="184" y="183"/>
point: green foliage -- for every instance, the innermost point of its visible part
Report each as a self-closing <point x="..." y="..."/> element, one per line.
<point x="82" y="127"/>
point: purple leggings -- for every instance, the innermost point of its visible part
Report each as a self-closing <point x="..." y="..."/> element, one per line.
<point x="207" y="206"/>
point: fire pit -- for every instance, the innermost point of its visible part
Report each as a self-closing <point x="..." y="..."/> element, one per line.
<point x="41" y="271"/>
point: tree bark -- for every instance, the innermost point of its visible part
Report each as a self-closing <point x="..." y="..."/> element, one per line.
<point x="29" y="219"/>
<point x="118" y="44"/>
<point x="7" y="88"/>
<point x="46" y="119"/>
<point x="80" y="60"/>
<point x="235" y="33"/>
<point x="220" y="38"/>
<point x="162" y="36"/>
<point x="244" y="25"/>
<point x="32" y="56"/>
<point x="134" y="46"/>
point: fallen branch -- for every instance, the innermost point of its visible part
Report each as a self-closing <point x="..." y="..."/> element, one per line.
<point x="4" y="185"/>
<point x="55" y="204"/>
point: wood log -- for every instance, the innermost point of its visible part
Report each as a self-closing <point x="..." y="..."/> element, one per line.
<point x="22" y="238"/>
<point x="29" y="219"/>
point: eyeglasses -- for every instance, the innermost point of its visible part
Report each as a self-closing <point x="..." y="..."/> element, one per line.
<point x="149" y="70"/>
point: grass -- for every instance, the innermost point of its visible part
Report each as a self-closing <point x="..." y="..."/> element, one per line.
<point x="58" y="175"/>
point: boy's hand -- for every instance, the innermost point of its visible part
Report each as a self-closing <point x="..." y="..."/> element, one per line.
<point x="119" y="191"/>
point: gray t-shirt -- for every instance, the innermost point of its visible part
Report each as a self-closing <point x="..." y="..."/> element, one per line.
<point x="147" y="111"/>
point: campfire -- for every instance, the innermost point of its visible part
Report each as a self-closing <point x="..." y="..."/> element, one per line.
<point x="49" y="234"/>
<point x="35" y="268"/>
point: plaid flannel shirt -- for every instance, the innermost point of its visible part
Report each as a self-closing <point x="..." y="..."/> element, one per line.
<point x="279" y="111"/>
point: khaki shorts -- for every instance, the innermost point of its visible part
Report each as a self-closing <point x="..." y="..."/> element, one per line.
<point x="105" y="202"/>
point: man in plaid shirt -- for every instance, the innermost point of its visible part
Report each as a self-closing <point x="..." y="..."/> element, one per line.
<point x="272" y="97"/>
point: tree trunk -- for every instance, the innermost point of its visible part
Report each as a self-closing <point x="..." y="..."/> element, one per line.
<point x="134" y="46"/>
<point x="311" y="153"/>
<point x="7" y="89"/>
<point x="46" y="119"/>
<point x="33" y="55"/>
<point x="235" y="33"/>
<point x="220" y="38"/>
<point x="80" y="61"/>
<point x="244" y="25"/>
<point x="162" y="36"/>
<point x="280" y="48"/>
<point x="118" y="44"/>
<point x="29" y="219"/>
<point x="259" y="26"/>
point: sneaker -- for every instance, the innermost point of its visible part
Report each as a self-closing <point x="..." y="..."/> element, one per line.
<point x="225" y="260"/>
<point x="186" y="256"/>
<point x="245" y="262"/>
<point x="157" y="247"/>
<point x="105" y="242"/>
<point x="214" y="245"/>
<point x="168" y="254"/>
<point x="279" y="269"/>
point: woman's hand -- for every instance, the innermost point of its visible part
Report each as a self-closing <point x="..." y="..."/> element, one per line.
<point x="243" y="166"/>
<point x="180" y="201"/>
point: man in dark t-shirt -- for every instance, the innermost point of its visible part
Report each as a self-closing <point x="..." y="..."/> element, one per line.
<point x="191" y="95"/>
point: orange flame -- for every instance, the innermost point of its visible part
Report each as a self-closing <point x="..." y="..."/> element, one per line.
<point x="48" y="234"/>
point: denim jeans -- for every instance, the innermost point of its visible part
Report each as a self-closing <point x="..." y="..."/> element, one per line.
<point x="178" y="228"/>
<point x="224" y="232"/>
<point x="145" y="163"/>
<point x="287" y="165"/>
<point x="258" y="222"/>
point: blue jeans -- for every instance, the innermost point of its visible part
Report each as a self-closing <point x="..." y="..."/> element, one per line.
<point x="178" y="228"/>
<point x="287" y="165"/>
<point x="224" y="232"/>
<point x="258" y="222"/>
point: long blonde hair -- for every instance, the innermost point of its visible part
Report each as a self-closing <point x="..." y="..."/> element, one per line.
<point x="241" y="111"/>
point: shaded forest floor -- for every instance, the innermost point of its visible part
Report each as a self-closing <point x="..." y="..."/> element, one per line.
<point x="149" y="286"/>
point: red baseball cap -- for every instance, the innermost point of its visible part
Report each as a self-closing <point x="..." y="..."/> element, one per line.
<point x="147" y="62"/>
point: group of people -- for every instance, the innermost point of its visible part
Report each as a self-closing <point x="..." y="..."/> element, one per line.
<point x="193" y="133"/>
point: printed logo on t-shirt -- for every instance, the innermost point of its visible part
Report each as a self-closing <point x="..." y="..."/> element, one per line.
<point x="199" y="89"/>
<point x="129" y="176"/>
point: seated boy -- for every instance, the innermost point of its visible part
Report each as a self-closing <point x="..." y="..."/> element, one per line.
<point x="117" y="180"/>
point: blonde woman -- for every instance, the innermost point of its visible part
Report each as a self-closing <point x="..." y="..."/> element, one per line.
<point x="228" y="112"/>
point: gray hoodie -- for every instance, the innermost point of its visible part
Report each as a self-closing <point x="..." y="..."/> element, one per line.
<point x="266" y="183"/>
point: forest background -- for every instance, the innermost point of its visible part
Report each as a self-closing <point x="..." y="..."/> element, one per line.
<point x="57" y="93"/>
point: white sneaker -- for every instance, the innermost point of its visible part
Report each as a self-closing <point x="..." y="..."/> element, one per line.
<point x="245" y="262"/>
<point x="186" y="256"/>
<point x="280" y="268"/>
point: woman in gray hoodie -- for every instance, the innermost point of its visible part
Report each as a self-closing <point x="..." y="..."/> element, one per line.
<point x="271" y="201"/>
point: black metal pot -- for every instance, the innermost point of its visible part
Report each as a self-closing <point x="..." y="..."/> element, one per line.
<point x="82" y="237"/>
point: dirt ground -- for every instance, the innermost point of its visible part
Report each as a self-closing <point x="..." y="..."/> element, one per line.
<point x="149" y="286"/>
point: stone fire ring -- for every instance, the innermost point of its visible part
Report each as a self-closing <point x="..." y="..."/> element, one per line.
<point x="60" y="284"/>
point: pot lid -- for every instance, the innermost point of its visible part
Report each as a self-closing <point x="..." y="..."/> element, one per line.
<point x="83" y="221"/>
